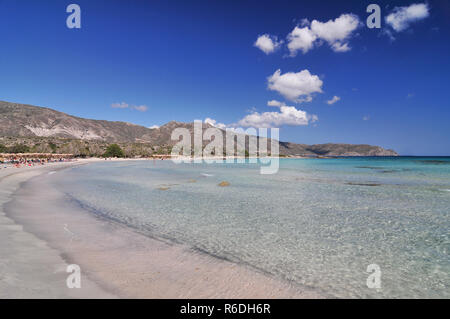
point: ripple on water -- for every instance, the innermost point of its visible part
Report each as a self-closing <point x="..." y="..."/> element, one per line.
<point x="304" y="224"/>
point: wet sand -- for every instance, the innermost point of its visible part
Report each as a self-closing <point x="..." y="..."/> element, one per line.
<point x="115" y="260"/>
<point x="29" y="267"/>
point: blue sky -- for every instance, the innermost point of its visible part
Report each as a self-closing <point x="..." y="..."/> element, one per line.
<point x="187" y="60"/>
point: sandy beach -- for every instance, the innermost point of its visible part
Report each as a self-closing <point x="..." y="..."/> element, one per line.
<point x="29" y="267"/>
<point x="45" y="233"/>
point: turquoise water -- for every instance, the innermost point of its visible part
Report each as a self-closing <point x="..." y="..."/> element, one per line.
<point x="316" y="223"/>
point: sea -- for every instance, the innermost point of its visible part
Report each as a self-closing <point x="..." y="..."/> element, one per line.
<point x="360" y="227"/>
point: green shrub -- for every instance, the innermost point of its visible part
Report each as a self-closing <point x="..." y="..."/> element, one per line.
<point x="114" y="150"/>
<point x="19" y="148"/>
<point x="53" y="147"/>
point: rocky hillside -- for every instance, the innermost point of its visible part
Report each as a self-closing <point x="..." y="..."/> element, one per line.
<point x="29" y="121"/>
<point x="26" y="124"/>
<point x="331" y="149"/>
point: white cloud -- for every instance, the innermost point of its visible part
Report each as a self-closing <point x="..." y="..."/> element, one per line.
<point x="267" y="43"/>
<point x="333" y="100"/>
<point x="288" y="115"/>
<point x="214" y="123"/>
<point x="141" y="108"/>
<point x="335" y="32"/>
<point x="340" y="47"/>
<point x="402" y="17"/>
<point x="296" y="87"/>
<point x="154" y="126"/>
<point x="301" y="39"/>
<point x="123" y="105"/>
<point x="275" y="103"/>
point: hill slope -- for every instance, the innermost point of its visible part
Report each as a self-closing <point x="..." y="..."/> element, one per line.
<point x="20" y="120"/>
<point x="28" y="120"/>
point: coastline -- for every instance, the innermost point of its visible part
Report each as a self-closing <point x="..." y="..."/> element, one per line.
<point x="29" y="267"/>
<point x="115" y="260"/>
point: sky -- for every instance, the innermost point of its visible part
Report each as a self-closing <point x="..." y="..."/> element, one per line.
<point x="312" y="68"/>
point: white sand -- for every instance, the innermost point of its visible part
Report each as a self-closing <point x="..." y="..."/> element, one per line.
<point x="114" y="259"/>
<point x="29" y="268"/>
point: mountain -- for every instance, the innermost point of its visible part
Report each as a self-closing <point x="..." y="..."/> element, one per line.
<point x="331" y="149"/>
<point x="25" y="123"/>
<point x="27" y="120"/>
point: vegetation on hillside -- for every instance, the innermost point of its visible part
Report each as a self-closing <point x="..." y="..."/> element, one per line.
<point x="24" y="124"/>
<point x="79" y="148"/>
<point x="114" y="150"/>
<point x="19" y="148"/>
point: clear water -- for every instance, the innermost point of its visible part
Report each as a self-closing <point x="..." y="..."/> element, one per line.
<point x="317" y="222"/>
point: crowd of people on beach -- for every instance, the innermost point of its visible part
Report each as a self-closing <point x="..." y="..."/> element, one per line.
<point x="20" y="162"/>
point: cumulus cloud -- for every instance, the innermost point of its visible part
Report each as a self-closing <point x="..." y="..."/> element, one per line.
<point x="296" y="87"/>
<point x="333" y="100"/>
<point x="267" y="43"/>
<point x="288" y="115"/>
<point x="335" y="32"/>
<point x="154" y="126"/>
<point x="123" y="105"/>
<point x="301" y="39"/>
<point x="402" y="17"/>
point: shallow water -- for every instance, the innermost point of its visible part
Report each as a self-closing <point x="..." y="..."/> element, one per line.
<point x="316" y="223"/>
